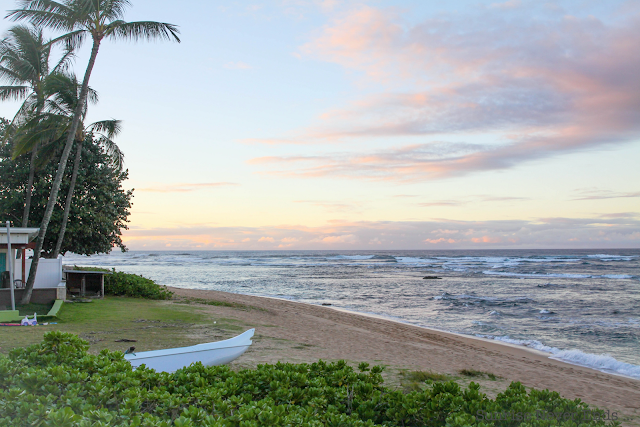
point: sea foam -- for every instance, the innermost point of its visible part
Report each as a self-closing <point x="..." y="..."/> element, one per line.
<point x="601" y="362"/>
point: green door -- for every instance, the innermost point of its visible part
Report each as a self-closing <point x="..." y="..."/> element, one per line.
<point x="3" y="261"/>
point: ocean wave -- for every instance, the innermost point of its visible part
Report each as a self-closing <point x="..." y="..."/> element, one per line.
<point x="350" y="257"/>
<point x="558" y="275"/>
<point x="601" y="362"/>
<point x="607" y="257"/>
<point x="386" y="258"/>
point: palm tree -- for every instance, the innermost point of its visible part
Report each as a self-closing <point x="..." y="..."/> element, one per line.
<point x="50" y="130"/>
<point x="24" y="64"/>
<point x="101" y="19"/>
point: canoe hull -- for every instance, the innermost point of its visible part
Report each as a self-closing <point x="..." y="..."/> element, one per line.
<point x="209" y="354"/>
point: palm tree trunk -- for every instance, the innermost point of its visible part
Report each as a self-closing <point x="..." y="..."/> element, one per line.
<point x="27" y="199"/>
<point x="55" y="186"/>
<point x="67" y="205"/>
<point x="32" y="166"/>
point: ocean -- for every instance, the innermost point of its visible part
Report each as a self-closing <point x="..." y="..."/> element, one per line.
<point x="582" y="306"/>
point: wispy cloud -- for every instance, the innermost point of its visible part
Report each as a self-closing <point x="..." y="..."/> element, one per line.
<point x="331" y="206"/>
<point x="538" y="87"/>
<point x="597" y="194"/>
<point x="237" y="66"/>
<point x="613" y="230"/>
<point x="185" y="187"/>
<point x="442" y="203"/>
<point x="473" y="200"/>
<point x="511" y="4"/>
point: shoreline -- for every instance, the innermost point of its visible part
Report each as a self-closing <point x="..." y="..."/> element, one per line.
<point x="432" y="329"/>
<point x="292" y="331"/>
<point x="461" y="335"/>
<point x="474" y="337"/>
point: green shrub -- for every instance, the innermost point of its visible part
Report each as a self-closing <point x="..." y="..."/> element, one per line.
<point x="133" y="285"/>
<point x="56" y="383"/>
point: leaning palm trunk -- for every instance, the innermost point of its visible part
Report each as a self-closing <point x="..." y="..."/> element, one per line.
<point x="55" y="186"/>
<point x="67" y="205"/>
<point x="32" y="173"/>
<point x="27" y="199"/>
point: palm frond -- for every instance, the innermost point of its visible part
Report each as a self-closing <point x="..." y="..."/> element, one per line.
<point x="52" y="106"/>
<point x="41" y="130"/>
<point x="111" y="128"/>
<point x="142" y="30"/>
<point x="10" y="75"/>
<point x="92" y="95"/>
<point x="114" y="9"/>
<point x="113" y="151"/>
<point x="63" y="90"/>
<point x="44" y="13"/>
<point x="13" y="93"/>
<point x="72" y="40"/>
<point x="65" y="61"/>
<point x="49" y="152"/>
<point x="25" y="112"/>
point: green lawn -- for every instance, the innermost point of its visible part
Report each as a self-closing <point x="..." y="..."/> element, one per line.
<point x="153" y="324"/>
<point x="29" y="309"/>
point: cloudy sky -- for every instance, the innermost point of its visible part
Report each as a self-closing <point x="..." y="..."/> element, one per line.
<point x="293" y="124"/>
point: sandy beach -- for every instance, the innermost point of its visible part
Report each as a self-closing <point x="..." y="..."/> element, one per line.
<point x="295" y="332"/>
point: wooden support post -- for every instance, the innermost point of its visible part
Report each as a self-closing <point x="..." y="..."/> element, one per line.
<point x="83" y="284"/>
<point x="24" y="269"/>
<point x="102" y="286"/>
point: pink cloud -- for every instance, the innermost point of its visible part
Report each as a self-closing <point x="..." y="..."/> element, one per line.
<point x="614" y="230"/>
<point x="184" y="187"/>
<point x="540" y="87"/>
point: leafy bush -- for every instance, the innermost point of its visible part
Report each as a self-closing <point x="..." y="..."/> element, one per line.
<point x="133" y="285"/>
<point x="130" y="285"/>
<point x="56" y="383"/>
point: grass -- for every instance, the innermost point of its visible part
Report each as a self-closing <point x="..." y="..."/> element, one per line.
<point x="415" y="380"/>
<point x="29" y="309"/>
<point x="211" y="302"/>
<point x="217" y="303"/>
<point x="152" y="324"/>
<point x="478" y="374"/>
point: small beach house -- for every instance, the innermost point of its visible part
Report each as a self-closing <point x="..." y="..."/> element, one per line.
<point x="48" y="285"/>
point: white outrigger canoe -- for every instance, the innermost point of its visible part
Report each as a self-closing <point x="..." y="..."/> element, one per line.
<point x="210" y="354"/>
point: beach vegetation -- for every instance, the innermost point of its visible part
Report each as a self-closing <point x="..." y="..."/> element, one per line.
<point x="25" y="66"/>
<point x="216" y="303"/>
<point x="78" y="19"/>
<point x="119" y="283"/>
<point x="101" y="205"/>
<point x="134" y="285"/>
<point x="154" y="324"/>
<point x="416" y="380"/>
<point x="49" y="129"/>
<point x="473" y="373"/>
<point x="58" y="383"/>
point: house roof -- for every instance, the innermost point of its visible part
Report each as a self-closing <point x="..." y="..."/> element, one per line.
<point x="75" y="271"/>
<point x="19" y="235"/>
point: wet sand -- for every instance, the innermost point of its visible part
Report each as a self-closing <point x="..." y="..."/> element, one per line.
<point x="295" y="332"/>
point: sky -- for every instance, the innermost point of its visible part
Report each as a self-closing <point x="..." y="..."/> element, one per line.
<point x="293" y="124"/>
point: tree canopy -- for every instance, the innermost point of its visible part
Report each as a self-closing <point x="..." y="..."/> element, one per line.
<point x="100" y="205"/>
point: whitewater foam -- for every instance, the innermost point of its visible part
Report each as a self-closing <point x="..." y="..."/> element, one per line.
<point x="601" y="362"/>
